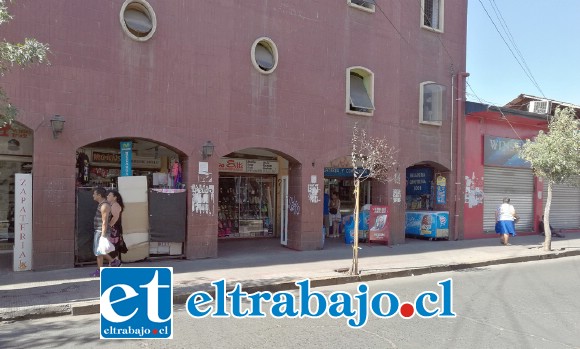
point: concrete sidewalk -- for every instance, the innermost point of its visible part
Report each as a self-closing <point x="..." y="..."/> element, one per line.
<point x="265" y="265"/>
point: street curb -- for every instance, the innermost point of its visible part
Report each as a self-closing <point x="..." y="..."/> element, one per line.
<point x="180" y="297"/>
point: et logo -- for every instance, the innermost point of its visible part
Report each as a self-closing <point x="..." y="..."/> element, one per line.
<point x="136" y="303"/>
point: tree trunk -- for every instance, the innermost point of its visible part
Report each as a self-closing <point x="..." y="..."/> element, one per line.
<point x="547" y="230"/>
<point x="354" y="269"/>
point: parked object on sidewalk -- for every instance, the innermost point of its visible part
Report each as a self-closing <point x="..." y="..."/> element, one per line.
<point x="552" y="230"/>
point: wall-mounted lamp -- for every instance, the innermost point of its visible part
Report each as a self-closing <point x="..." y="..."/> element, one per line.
<point x="207" y="150"/>
<point x="57" y="125"/>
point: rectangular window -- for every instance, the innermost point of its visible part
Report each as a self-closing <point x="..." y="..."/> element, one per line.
<point x="432" y="14"/>
<point x="365" y="5"/>
<point x="432" y="106"/>
<point x="360" y="92"/>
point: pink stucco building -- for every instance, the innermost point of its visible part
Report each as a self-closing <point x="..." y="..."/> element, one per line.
<point x="270" y="81"/>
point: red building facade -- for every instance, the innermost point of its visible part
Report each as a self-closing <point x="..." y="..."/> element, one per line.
<point x="276" y="78"/>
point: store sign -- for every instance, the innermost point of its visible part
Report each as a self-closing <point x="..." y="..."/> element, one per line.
<point x="343" y="172"/>
<point x="498" y="151"/>
<point x="126" y="154"/>
<point x="22" y="222"/>
<point x="248" y="166"/>
<point x="379" y="223"/>
<point x="107" y="159"/>
<point x="16" y="140"/>
<point x="419" y="181"/>
<point x="441" y="190"/>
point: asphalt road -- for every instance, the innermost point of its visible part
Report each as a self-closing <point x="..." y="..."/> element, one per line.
<point x="524" y="305"/>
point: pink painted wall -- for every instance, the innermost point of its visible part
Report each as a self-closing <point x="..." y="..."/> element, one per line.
<point x="477" y="125"/>
<point x="194" y="81"/>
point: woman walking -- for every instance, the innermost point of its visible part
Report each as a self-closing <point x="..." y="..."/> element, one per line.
<point x="117" y="207"/>
<point x="505" y="215"/>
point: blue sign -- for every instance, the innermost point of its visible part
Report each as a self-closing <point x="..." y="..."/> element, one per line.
<point x="126" y="158"/>
<point x="419" y="181"/>
<point x="136" y="303"/>
<point x="343" y="172"/>
<point x="498" y="151"/>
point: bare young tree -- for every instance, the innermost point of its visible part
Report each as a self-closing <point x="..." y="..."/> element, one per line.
<point x="372" y="158"/>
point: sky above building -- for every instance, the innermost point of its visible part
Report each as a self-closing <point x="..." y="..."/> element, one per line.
<point x="543" y="35"/>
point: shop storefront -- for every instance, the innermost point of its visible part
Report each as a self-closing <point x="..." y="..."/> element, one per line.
<point x="341" y="181"/>
<point x="506" y="175"/>
<point x="247" y="198"/>
<point x="150" y="180"/>
<point x="426" y="203"/>
<point x="565" y="205"/>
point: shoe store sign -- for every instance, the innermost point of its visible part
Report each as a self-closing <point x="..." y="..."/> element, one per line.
<point x="137" y="303"/>
<point x="248" y="166"/>
<point x="22" y="221"/>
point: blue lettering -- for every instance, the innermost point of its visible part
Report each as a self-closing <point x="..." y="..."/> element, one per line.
<point x="196" y="299"/>
<point x="283" y="305"/>
<point x="220" y="298"/>
<point x="257" y="303"/>
<point x="362" y="298"/>
<point x="340" y="305"/>
<point x="377" y="308"/>
<point x="306" y="296"/>
<point x="447" y="302"/>
<point x="236" y="296"/>
<point x="420" y="304"/>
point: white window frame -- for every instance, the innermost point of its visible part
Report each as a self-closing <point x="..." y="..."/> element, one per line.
<point x="441" y="17"/>
<point x="269" y="44"/>
<point x="150" y="14"/>
<point x="369" y="83"/>
<point x="440" y="103"/>
<point x="370" y="8"/>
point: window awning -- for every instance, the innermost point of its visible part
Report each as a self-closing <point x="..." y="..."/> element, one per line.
<point x="359" y="97"/>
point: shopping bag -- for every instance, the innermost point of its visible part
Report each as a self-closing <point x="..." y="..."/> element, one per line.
<point x="105" y="246"/>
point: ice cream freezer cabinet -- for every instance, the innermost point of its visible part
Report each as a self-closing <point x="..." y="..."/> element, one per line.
<point x="429" y="224"/>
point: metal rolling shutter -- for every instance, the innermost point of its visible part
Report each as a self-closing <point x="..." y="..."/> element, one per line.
<point x="515" y="183"/>
<point x="565" y="207"/>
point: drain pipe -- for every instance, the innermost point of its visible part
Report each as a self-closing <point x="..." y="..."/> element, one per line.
<point x="459" y="140"/>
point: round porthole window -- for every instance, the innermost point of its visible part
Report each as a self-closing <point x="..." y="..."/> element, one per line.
<point x="264" y="55"/>
<point x="138" y="19"/>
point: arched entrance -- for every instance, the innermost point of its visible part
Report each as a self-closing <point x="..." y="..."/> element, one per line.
<point x="149" y="176"/>
<point x="253" y="199"/>
<point x="427" y="201"/>
<point x="16" y="149"/>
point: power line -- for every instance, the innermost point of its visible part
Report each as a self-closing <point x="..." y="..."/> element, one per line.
<point x="392" y="24"/>
<point x="510" y="36"/>
<point x="512" y="52"/>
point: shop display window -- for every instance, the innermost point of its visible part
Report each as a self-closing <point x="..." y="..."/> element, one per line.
<point x="246" y="206"/>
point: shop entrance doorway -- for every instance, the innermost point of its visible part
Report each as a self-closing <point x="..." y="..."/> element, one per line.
<point x="149" y="177"/>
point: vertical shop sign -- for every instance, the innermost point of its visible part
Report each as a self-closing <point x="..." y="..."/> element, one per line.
<point x="379" y="223"/>
<point x="441" y="189"/>
<point x="126" y="161"/>
<point x="22" y="222"/>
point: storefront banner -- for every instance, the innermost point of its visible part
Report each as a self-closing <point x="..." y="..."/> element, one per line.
<point x="262" y="166"/>
<point x="343" y="172"/>
<point x="16" y="140"/>
<point x="441" y="190"/>
<point x="126" y="153"/>
<point x="419" y="181"/>
<point x="379" y="223"/>
<point x="107" y="159"/>
<point x="22" y="222"/>
<point x="432" y="224"/>
<point x="498" y="151"/>
<point x="248" y="166"/>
